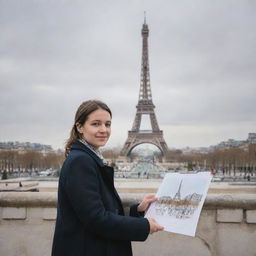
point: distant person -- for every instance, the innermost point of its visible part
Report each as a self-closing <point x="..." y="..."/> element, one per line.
<point x="90" y="216"/>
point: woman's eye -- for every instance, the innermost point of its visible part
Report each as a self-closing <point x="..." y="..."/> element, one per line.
<point x="95" y="124"/>
<point x="108" y="125"/>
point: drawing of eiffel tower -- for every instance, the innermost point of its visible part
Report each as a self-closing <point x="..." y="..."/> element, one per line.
<point x="177" y="196"/>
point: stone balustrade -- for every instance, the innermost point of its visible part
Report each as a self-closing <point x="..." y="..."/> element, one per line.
<point x="227" y="226"/>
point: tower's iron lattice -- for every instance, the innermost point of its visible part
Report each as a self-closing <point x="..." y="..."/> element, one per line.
<point x="145" y="106"/>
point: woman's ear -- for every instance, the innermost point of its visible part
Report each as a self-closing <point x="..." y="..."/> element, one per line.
<point x="79" y="128"/>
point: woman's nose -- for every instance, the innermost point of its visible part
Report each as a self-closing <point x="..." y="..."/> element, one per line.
<point x="103" y="128"/>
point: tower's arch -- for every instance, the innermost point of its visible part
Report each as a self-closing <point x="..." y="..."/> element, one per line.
<point x="141" y="143"/>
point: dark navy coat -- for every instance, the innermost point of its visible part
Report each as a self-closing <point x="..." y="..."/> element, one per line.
<point x="90" y="216"/>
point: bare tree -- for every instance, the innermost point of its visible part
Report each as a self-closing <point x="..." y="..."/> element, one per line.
<point x="29" y="161"/>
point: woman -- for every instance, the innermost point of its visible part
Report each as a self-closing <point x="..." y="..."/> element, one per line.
<point x="90" y="216"/>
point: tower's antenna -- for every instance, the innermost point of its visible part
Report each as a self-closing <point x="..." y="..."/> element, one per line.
<point x="144" y="17"/>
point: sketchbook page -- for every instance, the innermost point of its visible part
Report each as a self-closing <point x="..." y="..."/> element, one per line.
<point x="180" y="201"/>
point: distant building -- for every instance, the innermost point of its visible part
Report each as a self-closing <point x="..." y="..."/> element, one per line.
<point x="202" y="150"/>
<point x="231" y="143"/>
<point x="251" y="138"/>
<point x="22" y="146"/>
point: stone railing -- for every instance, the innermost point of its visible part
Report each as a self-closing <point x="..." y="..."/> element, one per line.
<point x="227" y="226"/>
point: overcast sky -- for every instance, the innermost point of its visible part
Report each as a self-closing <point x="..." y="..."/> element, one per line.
<point x="56" y="54"/>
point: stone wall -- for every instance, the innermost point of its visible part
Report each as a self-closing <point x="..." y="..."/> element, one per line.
<point x="227" y="226"/>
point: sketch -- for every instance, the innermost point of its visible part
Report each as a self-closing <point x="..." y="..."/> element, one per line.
<point x="178" y="206"/>
<point x="180" y="200"/>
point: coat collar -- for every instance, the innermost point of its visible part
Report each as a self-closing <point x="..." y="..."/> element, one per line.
<point x="80" y="146"/>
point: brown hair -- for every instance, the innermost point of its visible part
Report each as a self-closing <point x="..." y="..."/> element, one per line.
<point x="82" y="113"/>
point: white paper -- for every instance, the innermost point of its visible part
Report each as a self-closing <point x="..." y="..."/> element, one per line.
<point x="180" y="201"/>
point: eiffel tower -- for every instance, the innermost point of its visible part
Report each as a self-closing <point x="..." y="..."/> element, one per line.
<point x="145" y="106"/>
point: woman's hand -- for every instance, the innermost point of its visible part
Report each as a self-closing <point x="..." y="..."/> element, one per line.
<point x="147" y="200"/>
<point x="154" y="226"/>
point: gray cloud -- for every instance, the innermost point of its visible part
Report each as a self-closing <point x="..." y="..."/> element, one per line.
<point x="54" y="55"/>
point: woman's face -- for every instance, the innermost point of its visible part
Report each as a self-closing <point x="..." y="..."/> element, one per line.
<point x="97" y="128"/>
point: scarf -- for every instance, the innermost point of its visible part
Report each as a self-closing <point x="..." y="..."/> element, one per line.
<point x="94" y="150"/>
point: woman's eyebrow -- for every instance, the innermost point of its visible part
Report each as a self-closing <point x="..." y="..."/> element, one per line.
<point x="108" y="121"/>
